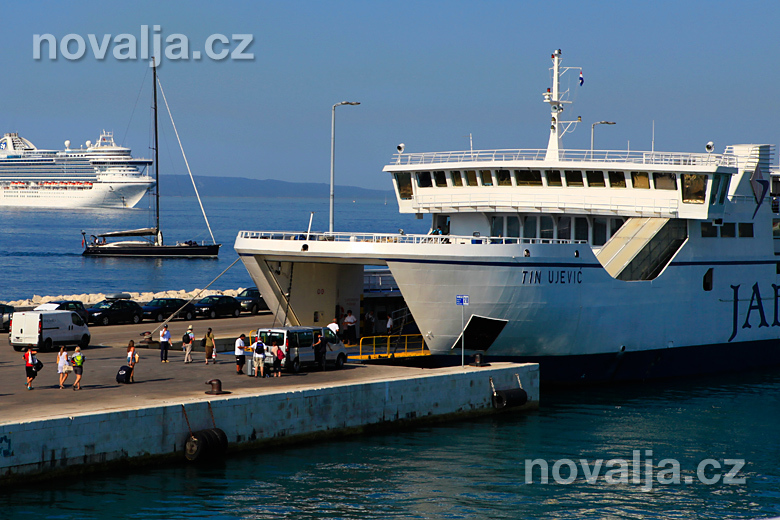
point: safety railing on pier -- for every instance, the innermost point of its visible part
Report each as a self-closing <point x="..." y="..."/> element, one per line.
<point x="385" y="347"/>
<point x="397" y="238"/>
<point x="598" y="156"/>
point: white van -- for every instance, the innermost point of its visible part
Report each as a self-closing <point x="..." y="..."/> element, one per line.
<point x="297" y="345"/>
<point x="45" y="330"/>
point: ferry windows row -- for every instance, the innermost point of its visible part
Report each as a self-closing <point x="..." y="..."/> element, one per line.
<point x="727" y="230"/>
<point x="694" y="185"/>
<point x="594" y="230"/>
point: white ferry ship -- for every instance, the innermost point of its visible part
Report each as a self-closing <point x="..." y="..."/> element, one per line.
<point x="100" y="175"/>
<point x="600" y="265"/>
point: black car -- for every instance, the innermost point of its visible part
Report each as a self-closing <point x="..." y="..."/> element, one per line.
<point x="115" y="311"/>
<point x="213" y="306"/>
<point x="5" y="316"/>
<point x="161" y="308"/>
<point x="251" y="301"/>
<point x="65" y="305"/>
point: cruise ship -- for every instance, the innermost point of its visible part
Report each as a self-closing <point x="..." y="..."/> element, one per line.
<point x="601" y="265"/>
<point x="100" y="175"/>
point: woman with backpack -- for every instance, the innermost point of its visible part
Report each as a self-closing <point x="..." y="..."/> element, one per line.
<point x="29" y="365"/>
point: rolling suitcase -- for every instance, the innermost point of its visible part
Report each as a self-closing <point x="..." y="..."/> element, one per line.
<point x="123" y="376"/>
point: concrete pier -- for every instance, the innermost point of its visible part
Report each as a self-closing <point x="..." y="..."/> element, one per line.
<point x="48" y="431"/>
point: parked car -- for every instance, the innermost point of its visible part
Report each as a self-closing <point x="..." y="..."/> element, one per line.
<point x="251" y="301"/>
<point x="115" y="309"/>
<point x="298" y="342"/>
<point x="45" y="330"/>
<point x="213" y="306"/>
<point x="161" y="308"/>
<point x="5" y="316"/>
<point x="65" y="305"/>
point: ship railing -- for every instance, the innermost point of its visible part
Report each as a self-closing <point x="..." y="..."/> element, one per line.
<point x="596" y="156"/>
<point x="399" y="238"/>
<point x="541" y="202"/>
<point x="379" y="347"/>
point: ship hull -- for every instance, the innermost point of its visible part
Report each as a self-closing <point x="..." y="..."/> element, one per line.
<point x="75" y="195"/>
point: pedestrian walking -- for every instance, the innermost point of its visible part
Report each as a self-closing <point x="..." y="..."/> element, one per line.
<point x="63" y="366"/>
<point x="186" y="342"/>
<point x="132" y="359"/>
<point x="350" y="332"/>
<point x="240" y="354"/>
<point x="78" y="367"/>
<point x="209" y="345"/>
<point x="258" y="357"/>
<point x="389" y="325"/>
<point x="278" y="355"/>
<point x="165" y="343"/>
<point x="319" y="351"/>
<point x="29" y="365"/>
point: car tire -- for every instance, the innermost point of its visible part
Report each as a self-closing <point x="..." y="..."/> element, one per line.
<point x="159" y="317"/>
<point x="18" y="348"/>
<point x="340" y="361"/>
<point x="236" y="313"/>
<point x="105" y="320"/>
<point x="136" y="319"/>
<point x="84" y="343"/>
<point x="213" y="314"/>
<point x="296" y="366"/>
<point x="254" y="310"/>
<point x="188" y="316"/>
<point x="47" y="345"/>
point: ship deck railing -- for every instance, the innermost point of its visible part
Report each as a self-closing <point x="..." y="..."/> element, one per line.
<point x="388" y="347"/>
<point x="398" y="238"/>
<point x="597" y="156"/>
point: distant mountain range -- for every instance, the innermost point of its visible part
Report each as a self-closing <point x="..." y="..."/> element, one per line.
<point x="180" y="185"/>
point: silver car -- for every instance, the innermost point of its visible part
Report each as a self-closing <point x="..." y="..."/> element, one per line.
<point x="297" y="344"/>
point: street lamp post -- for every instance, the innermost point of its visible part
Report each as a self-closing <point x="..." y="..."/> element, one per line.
<point x="333" y="154"/>
<point x="592" y="127"/>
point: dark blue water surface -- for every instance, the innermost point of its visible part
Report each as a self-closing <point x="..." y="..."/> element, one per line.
<point x="472" y="469"/>
<point x="40" y="249"/>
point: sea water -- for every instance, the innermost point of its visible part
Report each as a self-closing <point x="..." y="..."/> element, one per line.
<point x="40" y="249"/>
<point x="484" y="468"/>
<point x="475" y="469"/>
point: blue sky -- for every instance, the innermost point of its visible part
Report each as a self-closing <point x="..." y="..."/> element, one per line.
<point x="427" y="74"/>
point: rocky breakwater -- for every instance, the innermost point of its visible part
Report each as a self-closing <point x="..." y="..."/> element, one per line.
<point x="140" y="297"/>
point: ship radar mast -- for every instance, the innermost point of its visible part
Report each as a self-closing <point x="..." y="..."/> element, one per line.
<point x="557" y="101"/>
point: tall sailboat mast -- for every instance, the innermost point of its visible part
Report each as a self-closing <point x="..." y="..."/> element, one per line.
<point x="158" y="237"/>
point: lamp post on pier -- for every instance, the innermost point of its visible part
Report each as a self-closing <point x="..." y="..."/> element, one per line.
<point x="333" y="154"/>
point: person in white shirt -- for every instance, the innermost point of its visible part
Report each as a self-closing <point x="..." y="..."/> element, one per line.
<point x="240" y="354"/>
<point x="165" y="343"/>
<point x="334" y="326"/>
<point x="389" y="325"/>
<point x="188" y="345"/>
<point x="350" y="328"/>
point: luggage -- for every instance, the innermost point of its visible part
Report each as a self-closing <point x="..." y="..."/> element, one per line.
<point x="123" y="376"/>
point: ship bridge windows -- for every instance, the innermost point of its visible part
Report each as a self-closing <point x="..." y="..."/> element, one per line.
<point x="745" y="229"/>
<point x="503" y="178"/>
<point x="640" y="180"/>
<point x="553" y="177"/>
<point x="424" y="180"/>
<point x="595" y="179"/>
<point x="404" y="182"/>
<point x="732" y="230"/>
<point x="486" y="176"/>
<point x="714" y="191"/>
<point x="665" y="180"/>
<point x="574" y="178"/>
<point x="708" y="230"/>
<point x="728" y="230"/>
<point x="694" y="188"/>
<point x="441" y="179"/>
<point x="471" y="177"/>
<point x="529" y="177"/>
<point x="456" y="178"/>
<point x="617" y="179"/>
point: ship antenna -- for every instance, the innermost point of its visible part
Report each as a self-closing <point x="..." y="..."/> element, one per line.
<point x="555" y="98"/>
<point x="156" y="158"/>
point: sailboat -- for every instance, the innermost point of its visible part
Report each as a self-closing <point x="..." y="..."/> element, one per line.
<point x="151" y="239"/>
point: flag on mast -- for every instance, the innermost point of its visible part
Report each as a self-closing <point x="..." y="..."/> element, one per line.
<point x="582" y="80"/>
